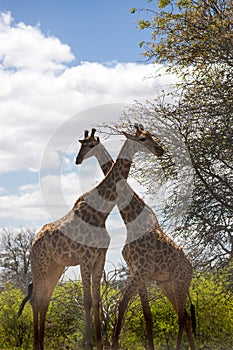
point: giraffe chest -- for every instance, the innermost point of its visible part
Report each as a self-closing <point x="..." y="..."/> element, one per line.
<point x="85" y="228"/>
<point x="52" y="245"/>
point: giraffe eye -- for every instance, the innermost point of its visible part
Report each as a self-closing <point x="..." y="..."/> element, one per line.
<point x="142" y="139"/>
<point x="91" y="146"/>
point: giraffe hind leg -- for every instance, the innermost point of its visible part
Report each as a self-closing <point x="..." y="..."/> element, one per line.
<point x="185" y="324"/>
<point x="36" y="345"/>
<point x="39" y="314"/>
<point x="168" y="289"/>
<point x="147" y="314"/>
<point x="188" y="329"/>
<point x="177" y="295"/>
<point x="181" y="321"/>
<point x="41" y="295"/>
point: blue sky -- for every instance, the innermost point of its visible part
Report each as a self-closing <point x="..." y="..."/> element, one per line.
<point x="95" y="30"/>
<point x="65" y="66"/>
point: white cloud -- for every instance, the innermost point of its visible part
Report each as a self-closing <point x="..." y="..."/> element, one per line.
<point x="35" y="98"/>
<point x="42" y="94"/>
<point x="34" y="104"/>
<point x="24" y="46"/>
<point x="25" y="205"/>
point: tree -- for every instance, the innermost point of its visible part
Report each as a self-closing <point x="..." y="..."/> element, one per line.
<point x="15" y="256"/>
<point x="194" y="38"/>
<point x="187" y="33"/>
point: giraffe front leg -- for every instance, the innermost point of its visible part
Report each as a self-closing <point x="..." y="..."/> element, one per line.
<point x="130" y="290"/>
<point x="86" y="280"/>
<point x="96" y="280"/>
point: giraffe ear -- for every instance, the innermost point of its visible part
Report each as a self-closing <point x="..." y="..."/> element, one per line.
<point x="98" y="139"/>
<point x="129" y="136"/>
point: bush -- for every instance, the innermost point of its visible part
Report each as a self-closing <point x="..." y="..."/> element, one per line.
<point x="65" y="323"/>
<point x="14" y="332"/>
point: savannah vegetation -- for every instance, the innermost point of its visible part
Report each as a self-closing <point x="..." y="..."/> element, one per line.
<point x="192" y="39"/>
<point x="211" y="293"/>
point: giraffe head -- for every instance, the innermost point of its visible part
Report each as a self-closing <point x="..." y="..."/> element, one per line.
<point x="145" y="141"/>
<point x="88" y="146"/>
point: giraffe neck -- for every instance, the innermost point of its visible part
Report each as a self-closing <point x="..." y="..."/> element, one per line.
<point x="103" y="197"/>
<point x="85" y="223"/>
<point x="118" y="172"/>
<point x="104" y="159"/>
<point x="134" y="212"/>
<point x="132" y="203"/>
<point x="120" y="169"/>
<point x="114" y="190"/>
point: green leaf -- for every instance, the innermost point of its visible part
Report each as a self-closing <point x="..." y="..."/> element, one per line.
<point x="164" y="3"/>
<point x="141" y="44"/>
<point x="133" y="10"/>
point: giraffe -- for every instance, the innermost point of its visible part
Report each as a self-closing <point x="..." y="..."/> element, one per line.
<point x="147" y="247"/>
<point x="79" y="238"/>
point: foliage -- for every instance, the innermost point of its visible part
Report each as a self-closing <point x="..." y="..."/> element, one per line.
<point x="212" y="295"/>
<point x="214" y="306"/>
<point x="164" y="322"/>
<point x="14" y="332"/>
<point x="65" y="322"/>
<point x="190" y="32"/>
<point x="212" y="298"/>
<point x="208" y="136"/>
<point x="111" y="286"/>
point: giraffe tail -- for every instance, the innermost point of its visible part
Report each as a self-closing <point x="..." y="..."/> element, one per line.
<point x="193" y="317"/>
<point x="28" y="297"/>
